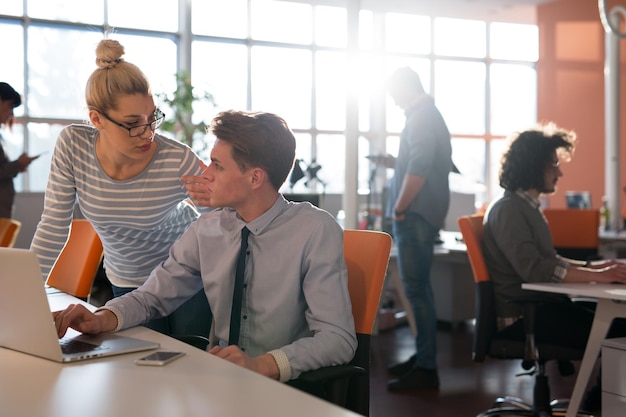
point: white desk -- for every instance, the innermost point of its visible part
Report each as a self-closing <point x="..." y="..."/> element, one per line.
<point x="611" y="304"/>
<point x="198" y="384"/>
<point x="612" y="244"/>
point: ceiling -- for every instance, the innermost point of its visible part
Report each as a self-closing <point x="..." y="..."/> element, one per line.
<point x="512" y="11"/>
<point x="522" y="11"/>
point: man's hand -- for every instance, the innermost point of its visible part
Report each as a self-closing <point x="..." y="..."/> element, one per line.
<point x="613" y="273"/>
<point x="264" y="364"/>
<point x="197" y="186"/>
<point x="387" y="161"/>
<point x="80" y="319"/>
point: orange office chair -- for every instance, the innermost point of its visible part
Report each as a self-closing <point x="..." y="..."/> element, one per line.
<point x="574" y="232"/>
<point x="77" y="265"/>
<point x="488" y="342"/>
<point x="9" y="229"/>
<point x="367" y="254"/>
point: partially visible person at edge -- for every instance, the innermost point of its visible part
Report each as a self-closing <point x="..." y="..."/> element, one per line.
<point x="296" y="313"/>
<point x="126" y="180"/>
<point x="518" y="247"/>
<point x="9" y="99"/>
<point x="419" y="197"/>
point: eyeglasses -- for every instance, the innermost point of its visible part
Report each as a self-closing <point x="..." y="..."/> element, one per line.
<point x="135" y="131"/>
<point x="556" y="164"/>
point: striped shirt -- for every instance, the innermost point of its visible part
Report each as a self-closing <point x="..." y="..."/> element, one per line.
<point x="137" y="219"/>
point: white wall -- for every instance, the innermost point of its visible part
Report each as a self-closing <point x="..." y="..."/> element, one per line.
<point x="28" y="208"/>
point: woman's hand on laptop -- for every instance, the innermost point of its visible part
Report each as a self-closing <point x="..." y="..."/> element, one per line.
<point x="80" y="319"/>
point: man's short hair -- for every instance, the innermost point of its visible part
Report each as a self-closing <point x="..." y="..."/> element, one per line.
<point x="258" y="139"/>
<point x="403" y="79"/>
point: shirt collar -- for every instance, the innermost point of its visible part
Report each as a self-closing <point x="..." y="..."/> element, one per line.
<point x="418" y="103"/>
<point x="534" y="202"/>
<point x="258" y="225"/>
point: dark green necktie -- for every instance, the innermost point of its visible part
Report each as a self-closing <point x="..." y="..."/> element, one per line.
<point x="235" y="312"/>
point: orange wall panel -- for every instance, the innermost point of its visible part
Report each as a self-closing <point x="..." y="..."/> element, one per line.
<point x="571" y="91"/>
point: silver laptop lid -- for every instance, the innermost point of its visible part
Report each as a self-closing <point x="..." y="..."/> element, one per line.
<point x="26" y="323"/>
<point x="25" y="320"/>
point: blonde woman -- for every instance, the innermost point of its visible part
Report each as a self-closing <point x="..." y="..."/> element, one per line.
<point x="125" y="179"/>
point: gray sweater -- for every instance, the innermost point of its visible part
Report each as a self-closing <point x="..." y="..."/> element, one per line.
<point x="518" y="248"/>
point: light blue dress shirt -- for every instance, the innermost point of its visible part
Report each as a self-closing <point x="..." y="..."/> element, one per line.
<point x="295" y="300"/>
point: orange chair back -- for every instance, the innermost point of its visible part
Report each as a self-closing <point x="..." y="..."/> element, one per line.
<point x="367" y="254"/>
<point x="77" y="265"/>
<point x="9" y="229"/>
<point x="573" y="228"/>
<point x="471" y="228"/>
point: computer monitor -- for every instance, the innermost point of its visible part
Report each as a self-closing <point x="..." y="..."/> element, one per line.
<point x="311" y="198"/>
<point x="578" y="199"/>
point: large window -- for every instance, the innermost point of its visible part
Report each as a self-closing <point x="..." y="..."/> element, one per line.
<point x="483" y="78"/>
<point x="249" y="56"/>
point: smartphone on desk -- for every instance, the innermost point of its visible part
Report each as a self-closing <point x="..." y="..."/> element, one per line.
<point x="159" y="358"/>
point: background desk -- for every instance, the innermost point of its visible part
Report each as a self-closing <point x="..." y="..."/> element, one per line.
<point x="198" y="384"/>
<point x="611" y="299"/>
<point x="451" y="279"/>
<point x="613" y="244"/>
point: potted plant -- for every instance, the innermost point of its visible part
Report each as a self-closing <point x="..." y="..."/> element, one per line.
<point x="180" y="104"/>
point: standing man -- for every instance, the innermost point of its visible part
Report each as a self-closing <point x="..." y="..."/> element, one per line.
<point x="9" y="99"/>
<point x="419" y="197"/>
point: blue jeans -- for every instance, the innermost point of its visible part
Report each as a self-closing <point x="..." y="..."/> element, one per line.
<point x="193" y="317"/>
<point x="415" y="240"/>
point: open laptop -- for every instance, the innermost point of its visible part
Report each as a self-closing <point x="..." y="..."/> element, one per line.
<point x="26" y="323"/>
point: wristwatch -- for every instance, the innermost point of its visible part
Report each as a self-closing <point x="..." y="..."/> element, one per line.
<point x="399" y="213"/>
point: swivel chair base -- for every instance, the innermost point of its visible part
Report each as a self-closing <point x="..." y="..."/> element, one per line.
<point x="542" y="405"/>
<point x="515" y="406"/>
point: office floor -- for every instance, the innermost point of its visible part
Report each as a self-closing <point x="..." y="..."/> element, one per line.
<point x="467" y="388"/>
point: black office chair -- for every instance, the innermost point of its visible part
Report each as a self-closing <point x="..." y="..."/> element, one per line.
<point x="194" y="340"/>
<point x="490" y="343"/>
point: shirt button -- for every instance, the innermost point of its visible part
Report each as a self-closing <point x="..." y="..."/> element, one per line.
<point x="245" y="317"/>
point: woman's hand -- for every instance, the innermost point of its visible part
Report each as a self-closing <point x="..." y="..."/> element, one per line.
<point x="197" y="187"/>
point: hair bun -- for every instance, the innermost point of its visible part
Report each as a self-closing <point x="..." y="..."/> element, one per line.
<point x="109" y="53"/>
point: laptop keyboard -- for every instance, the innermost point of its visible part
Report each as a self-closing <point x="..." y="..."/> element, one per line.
<point x="77" y="346"/>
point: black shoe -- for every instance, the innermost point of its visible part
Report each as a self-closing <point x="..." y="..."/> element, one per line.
<point x="401" y="368"/>
<point x="416" y="378"/>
